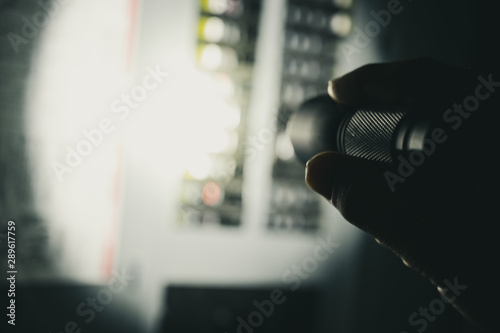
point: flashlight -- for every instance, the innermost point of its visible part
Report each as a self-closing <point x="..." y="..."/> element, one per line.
<point x="377" y="133"/>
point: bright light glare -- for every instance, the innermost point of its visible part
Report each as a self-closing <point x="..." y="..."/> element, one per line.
<point x="78" y="70"/>
<point x="218" y="6"/>
<point x="213" y="30"/>
<point x="231" y="116"/>
<point x="199" y="166"/>
<point x="341" y="24"/>
<point x="220" y="114"/>
<point x="205" y="123"/>
<point x="214" y="140"/>
<point x="213" y="57"/>
<point x="223" y="85"/>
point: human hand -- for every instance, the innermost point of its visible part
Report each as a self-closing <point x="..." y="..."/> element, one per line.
<point x="446" y="237"/>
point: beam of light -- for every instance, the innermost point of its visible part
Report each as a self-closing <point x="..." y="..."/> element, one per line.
<point x="77" y="71"/>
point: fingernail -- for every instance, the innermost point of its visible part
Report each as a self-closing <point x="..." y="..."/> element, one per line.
<point x="331" y="90"/>
<point x="319" y="175"/>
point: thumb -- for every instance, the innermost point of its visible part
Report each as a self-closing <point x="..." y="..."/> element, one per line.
<point x="357" y="188"/>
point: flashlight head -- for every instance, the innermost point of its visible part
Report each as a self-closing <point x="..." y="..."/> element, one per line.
<point x="315" y="127"/>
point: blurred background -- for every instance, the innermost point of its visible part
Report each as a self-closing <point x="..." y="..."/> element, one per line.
<point x="145" y="162"/>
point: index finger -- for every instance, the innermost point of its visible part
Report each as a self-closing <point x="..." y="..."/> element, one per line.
<point x="414" y="81"/>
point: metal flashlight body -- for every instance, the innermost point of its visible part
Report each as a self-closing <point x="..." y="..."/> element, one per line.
<point x="377" y="133"/>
